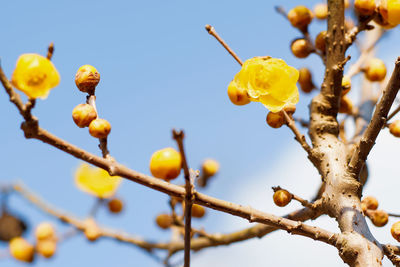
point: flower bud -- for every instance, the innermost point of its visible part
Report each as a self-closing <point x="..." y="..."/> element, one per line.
<point x="83" y="114"/>
<point x="305" y="80"/>
<point x="164" y="221"/>
<point x="21" y="249"/>
<point x="300" y="17"/>
<point x="166" y="164"/>
<point x="369" y="203"/>
<point x="300" y="48"/>
<point x="346" y="4"/>
<point x="346" y="84"/>
<point x="210" y="167"/>
<point x="87" y="78"/>
<point x="390" y="12"/>
<point x="395" y="231"/>
<point x="282" y="197"/>
<point x="198" y="211"/>
<point x="115" y="205"/>
<point x="275" y="120"/>
<point x="321" y="11"/>
<point x="320" y="41"/>
<point x="346" y="105"/>
<point x="92" y="231"/>
<point x="375" y="70"/>
<point x="394" y="128"/>
<point x="290" y="109"/>
<point x="45" y="231"/>
<point x="365" y="7"/>
<point x="238" y="96"/>
<point x="46" y="248"/>
<point x="99" y="128"/>
<point x="378" y="217"/>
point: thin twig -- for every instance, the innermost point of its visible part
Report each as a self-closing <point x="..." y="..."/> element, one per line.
<point x="50" y="51"/>
<point x="391" y="115"/>
<point x="298" y="136"/>
<point x="179" y="136"/>
<point x="211" y="30"/>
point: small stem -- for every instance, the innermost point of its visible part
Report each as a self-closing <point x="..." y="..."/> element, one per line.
<point x="211" y="30"/>
<point x="178" y="136"/>
<point x="298" y="136"/>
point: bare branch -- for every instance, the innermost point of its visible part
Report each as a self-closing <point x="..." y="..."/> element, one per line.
<point x="377" y="122"/>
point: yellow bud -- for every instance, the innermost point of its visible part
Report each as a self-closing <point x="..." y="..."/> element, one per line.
<point x="92" y="231"/>
<point x="46" y="248"/>
<point x="375" y="70"/>
<point x="198" y="211"/>
<point x="369" y="203"/>
<point x="365" y="7"/>
<point x="320" y="41"/>
<point x="321" y="11"/>
<point x="395" y="231"/>
<point x="166" y="164"/>
<point x="394" y="128"/>
<point x="45" y="231"/>
<point x="300" y="17"/>
<point x="346" y="105"/>
<point x="305" y="80"/>
<point x="390" y="11"/>
<point x="115" y="205"/>
<point x="282" y="197"/>
<point x="378" y="217"/>
<point x="99" y="128"/>
<point x="238" y="96"/>
<point x="346" y="84"/>
<point x="275" y="120"/>
<point x="210" y="167"/>
<point x="164" y="221"/>
<point x="300" y="48"/>
<point x="87" y="78"/>
<point x="346" y="4"/>
<point x="83" y="115"/>
<point x="21" y="249"/>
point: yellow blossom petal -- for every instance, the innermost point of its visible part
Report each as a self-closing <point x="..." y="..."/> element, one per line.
<point x="269" y="81"/>
<point x="393" y="10"/>
<point x="96" y="181"/>
<point x="35" y="75"/>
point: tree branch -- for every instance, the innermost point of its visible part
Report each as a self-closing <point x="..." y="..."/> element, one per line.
<point x="378" y="121"/>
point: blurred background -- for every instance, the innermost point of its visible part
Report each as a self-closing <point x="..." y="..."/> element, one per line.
<point x="161" y="70"/>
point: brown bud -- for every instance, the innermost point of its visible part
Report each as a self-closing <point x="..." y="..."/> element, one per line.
<point x="198" y="211"/>
<point x="275" y="120"/>
<point x="394" y="128"/>
<point x="301" y="48"/>
<point x="320" y="41"/>
<point x="346" y="105"/>
<point x="305" y="80"/>
<point x="282" y="197"/>
<point x="369" y="203"/>
<point x="164" y="221"/>
<point x="115" y="205"/>
<point x="395" y="231"/>
<point x="378" y="217"/>
<point x="300" y="17"/>
<point x="321" y="11"/>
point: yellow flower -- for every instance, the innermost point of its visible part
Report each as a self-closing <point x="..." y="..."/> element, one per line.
<point x="35" y="75"/>
<point x="269" y="81"/>
<point x="96" y="181"/>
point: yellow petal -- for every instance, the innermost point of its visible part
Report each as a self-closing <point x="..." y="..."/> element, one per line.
<point x="96" y="181"/>
<point x="393" y="9"/>
<point x="35" y="75"/>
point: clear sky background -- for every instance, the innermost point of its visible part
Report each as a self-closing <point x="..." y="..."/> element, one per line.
<point x="159" y="70"/>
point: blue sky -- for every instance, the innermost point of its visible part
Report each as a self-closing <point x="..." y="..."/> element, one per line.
<point x="159" y="70"/>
